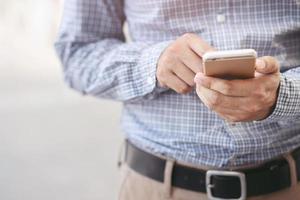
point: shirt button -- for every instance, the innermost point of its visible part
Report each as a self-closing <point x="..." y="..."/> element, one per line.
<point x="150" y="80"/>
<point x="221" y="18"/>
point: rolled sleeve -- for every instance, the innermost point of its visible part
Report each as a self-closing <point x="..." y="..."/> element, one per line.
<point x="95" y="57"/>
<point x="288" y="100"/>
<point x="148" y="63"/>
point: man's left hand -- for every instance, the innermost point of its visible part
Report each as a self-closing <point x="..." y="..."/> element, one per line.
<point x="242" y="100"/>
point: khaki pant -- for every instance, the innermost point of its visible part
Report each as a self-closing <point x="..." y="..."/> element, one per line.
<point x="135" y="186"/>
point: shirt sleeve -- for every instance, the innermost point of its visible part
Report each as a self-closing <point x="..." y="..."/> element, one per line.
<point x="288" y="100"/>
<point x="95" y="57"/>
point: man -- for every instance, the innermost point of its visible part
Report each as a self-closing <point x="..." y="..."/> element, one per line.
<point x="191" y="136"/>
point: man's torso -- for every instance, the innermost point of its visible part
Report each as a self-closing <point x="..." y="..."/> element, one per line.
<point x="180" y="126"/>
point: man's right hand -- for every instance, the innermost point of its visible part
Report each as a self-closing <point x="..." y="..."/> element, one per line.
<point x="180" y="61"/>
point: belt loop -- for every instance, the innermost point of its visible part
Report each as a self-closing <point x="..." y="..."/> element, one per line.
<point x="168" y="178"/>
<point x="293" y="170"/>
<point x="122" y="153"/>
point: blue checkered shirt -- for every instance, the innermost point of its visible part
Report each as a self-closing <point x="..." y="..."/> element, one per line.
<point x="97" y="61"/>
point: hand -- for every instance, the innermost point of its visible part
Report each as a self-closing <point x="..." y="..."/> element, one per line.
<point x="180" y="61"/>
<point x="242" y="100"/>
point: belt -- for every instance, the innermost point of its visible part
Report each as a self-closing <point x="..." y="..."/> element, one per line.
<point x="267" y="178"/>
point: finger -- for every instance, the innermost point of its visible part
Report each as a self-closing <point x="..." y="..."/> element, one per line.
<point x="267" y="65"/>
<point x="225" y="113"/>
<point x="236" y="88"/>
<point x="185" y="74"/>
<point x="198" y="45"/>
<point x="229" y="114"/>
<point x="203" y="98"/>
<point x="218" y="100"/>
<point x="191" y="60"/>
<point x="175" y="83"/>
<point x="233" y="108"/>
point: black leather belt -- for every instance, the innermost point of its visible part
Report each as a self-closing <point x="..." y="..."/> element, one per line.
<point x="267" y="178"/>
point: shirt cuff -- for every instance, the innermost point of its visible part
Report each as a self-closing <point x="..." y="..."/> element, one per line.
<point x="148" y="65"/>
<point x="288" y="100"/>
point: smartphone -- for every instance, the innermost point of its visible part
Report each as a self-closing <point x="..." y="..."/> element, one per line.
<point x="233" y="64"/>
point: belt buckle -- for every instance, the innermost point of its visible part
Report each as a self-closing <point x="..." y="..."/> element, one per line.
<point x="209" y="186"/>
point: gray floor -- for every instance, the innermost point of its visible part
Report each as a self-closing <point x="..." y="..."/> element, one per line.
<point x="54" y="143"/>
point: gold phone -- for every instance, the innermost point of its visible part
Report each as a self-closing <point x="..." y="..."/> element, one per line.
<point x="233" y="64"/>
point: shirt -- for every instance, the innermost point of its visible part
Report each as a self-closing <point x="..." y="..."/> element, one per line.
<point x="97" y="61"/>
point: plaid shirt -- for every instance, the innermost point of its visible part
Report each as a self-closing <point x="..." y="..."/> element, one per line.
<point x="97" y="61"/>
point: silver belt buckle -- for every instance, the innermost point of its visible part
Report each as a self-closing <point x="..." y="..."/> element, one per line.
<point x="209" y="186"/>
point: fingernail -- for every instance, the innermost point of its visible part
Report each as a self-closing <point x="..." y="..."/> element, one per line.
<point x="260" y="63"/>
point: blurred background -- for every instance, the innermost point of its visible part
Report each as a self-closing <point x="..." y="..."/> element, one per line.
<point x="54" y="143"/>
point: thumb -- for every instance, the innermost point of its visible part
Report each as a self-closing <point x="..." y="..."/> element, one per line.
<point x="267" y="65"/>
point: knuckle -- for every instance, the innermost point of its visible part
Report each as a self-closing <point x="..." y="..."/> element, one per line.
<point x="183" y="89"/>
<point x="263" y="98"/>
<point x="227" y="88"/>
<point x="271" y="60"/>
<point x="168" y="68"/>
<point x="266" y="99"/>
<point x="254" y="108"/>
<point x="215" y="100"/>
<point x="166" y="65"/>
<point x="160" y="74"/>
<point x="271" y="63"/>
<point x="163" y="58"/>
<point x="171" y="53"/>
<point x="187" y="36"/>
<point x="174" y="49"/>
<point x="268" y="58"/>
<point x="162" y="83"/>
<point x="259" y="92"/>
